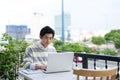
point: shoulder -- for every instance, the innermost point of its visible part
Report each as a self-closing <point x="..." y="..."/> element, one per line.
<point x="32" y="46"/>
<point x="51" y="48"/>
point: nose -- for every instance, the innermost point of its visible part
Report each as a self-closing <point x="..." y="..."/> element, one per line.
<point x="48" y="40"/>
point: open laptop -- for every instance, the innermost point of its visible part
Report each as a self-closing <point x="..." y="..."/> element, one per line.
<point x="59" y="62"/>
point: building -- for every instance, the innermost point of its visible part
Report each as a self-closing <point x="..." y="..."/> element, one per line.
<point x="58" y="25"/>
<point x="17" y="31"/>
<point x="36" y="23"/>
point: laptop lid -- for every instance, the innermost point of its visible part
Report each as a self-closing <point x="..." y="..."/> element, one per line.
<point x="59" y="62"/>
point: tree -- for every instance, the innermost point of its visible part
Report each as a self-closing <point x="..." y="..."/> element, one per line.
<point x="71" y="46"/>
<point x="58" y="44"/>
<point x="98" y="40"/>
<point x="114" y="35"/>
<point x="75" y="47"/>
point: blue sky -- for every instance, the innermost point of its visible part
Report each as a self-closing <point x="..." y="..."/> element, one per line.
<point x="89" y="15"/>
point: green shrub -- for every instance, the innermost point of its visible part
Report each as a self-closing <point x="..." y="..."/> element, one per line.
<point x="109" y="52"/>
<point x="10" y="57"/>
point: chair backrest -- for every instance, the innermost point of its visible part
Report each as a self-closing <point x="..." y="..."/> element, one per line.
<point x="106" y="74"/>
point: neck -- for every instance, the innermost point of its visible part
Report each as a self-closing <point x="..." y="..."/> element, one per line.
<point x="43" y="45"/>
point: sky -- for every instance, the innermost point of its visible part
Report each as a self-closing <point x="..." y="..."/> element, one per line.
<point x="86" y="15"/>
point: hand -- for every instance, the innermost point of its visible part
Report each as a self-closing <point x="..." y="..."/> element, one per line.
<point x="43" y="66"/>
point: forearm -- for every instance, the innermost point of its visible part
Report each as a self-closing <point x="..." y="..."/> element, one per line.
<point x="35" y="66"/>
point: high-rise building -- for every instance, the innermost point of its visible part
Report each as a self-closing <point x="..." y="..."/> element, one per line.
<point x="17" y="31"/>
<point x="36" y="24"/>
<point x="58" y="24"/>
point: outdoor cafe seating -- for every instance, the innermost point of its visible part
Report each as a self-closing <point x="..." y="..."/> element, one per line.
<point x="105" y="74"/>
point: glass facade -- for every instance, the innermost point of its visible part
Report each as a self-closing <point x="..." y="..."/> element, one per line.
<point x="17" y="31"/>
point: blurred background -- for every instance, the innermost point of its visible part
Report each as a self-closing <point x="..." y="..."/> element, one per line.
<point x="82" y="18"/>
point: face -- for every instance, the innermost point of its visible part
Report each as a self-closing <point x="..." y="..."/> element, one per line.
<point x="46" y="39"/>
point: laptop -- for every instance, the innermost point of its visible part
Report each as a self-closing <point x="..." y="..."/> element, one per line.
<point x="59" y="62"/>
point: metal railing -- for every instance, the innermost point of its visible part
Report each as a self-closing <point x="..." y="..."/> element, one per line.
<point x="95" y="57"/>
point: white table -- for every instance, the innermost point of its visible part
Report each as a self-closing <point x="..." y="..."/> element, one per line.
<point x="50" y="76"/>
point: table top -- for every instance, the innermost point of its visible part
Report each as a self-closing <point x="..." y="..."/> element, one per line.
<point x="48" y="76"/>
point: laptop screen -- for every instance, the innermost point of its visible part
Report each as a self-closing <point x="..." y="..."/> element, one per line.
<point x="59" y="62"/>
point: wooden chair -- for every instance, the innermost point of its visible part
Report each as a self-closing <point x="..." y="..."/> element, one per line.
<point x="106" y="74"/>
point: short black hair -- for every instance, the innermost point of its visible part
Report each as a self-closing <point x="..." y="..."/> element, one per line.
<point x="47" y="29"/>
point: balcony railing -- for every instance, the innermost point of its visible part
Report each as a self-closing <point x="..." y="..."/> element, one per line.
<point x="95" y="57"/>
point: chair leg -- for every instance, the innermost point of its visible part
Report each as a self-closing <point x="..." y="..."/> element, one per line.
<point x="107" y="78"/>
<point x="94" y="78"/>
<point x="86" y="78"/>
<point x="101" y="78"/>
<point x="77" y="77"/>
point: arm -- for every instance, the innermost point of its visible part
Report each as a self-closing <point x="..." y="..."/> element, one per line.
<point x="28" y="58"/>
<point x="29" y="63"/>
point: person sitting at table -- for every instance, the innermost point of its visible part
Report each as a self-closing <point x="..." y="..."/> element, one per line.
<point x="35" y="55"/>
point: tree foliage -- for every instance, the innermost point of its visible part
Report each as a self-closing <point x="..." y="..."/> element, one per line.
<point x="74" y="47"/>
<point x="58" y="44"/>
<point x="71" y="46"/>
<point x="9" y="58"/>
<point x="98" y="40"/>
<point x="114" y="35"/>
